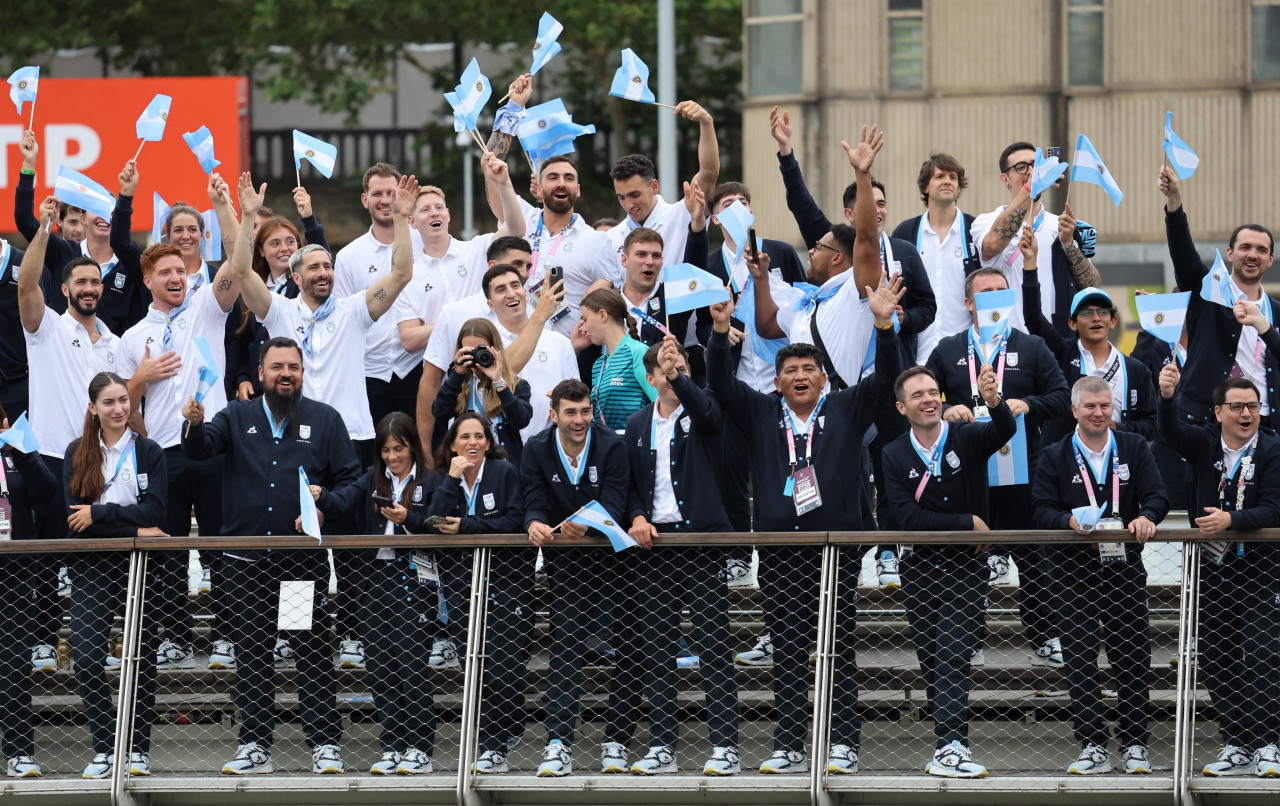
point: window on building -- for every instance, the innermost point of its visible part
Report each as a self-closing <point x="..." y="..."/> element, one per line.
<point x="906" y="45"/>
<point x="1084" y="43"/>
<point x="1266" y="40"/>
<point x="775" y="47"/>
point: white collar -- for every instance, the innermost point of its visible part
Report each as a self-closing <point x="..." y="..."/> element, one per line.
<point x="956" y="224"/>
<point x="120" y="443"/>
<point x="1229" y="453"/>
<point x="396" y="483"/>
<point x="455" y="246"/>
<point x="75" y="323"/>
<point x="675" y="415"/>
<point x="479" y="475"/>
<point x="1095" y="458"/>
<point x="84" y="251"/>
<point x="936" y="446"/>
<point x="1087" y="365"/>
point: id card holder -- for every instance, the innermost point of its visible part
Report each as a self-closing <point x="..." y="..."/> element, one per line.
<point x="297" y="600"/>
<point x="905" y="550"/>
<point x="1217" y="550"/>
<point x="981" y="413"/>
<point x="1111" y="553"/>
<point x="806" y="495"/>
<point x="6" y="518"/>
<point x="425" y="564"/>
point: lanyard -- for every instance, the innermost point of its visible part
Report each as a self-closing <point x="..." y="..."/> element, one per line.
<point x="792" y="431"/>
<point x="1087" y="478"/>
<point x="470" y="493"/>
<point x="639" y="312"/>
<point x="4" y="477"/>
<point x="973" y="368"/>
<point x="277" y="431"/>
<point x="130" y="453"/>
<point x="1017" y="253"/>
<point x="537" y="243"/>
<point x="1109" y="375"/>
<point x="932" y="462"/>
<point x="1233" y="472"/>
<point x="573" y="474"/>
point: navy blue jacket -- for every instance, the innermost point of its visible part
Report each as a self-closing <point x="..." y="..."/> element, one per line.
<point x="909" y="231"/>
<point x="549" y="496"/>
<point x="120" y="520"/>
<point x="517" y="411"/>
<point x="357" y="499"/>
<point x="499" y="504"/>
<point x="30" y="483"/>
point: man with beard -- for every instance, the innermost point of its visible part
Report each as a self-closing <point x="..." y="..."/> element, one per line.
<point x="266" y="441"/>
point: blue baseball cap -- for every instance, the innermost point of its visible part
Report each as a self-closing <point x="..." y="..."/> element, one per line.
<point x="1091" y="294"/>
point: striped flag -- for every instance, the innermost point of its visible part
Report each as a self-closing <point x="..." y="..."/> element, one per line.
<point x="1181" y="157"/>
<point x="20" y="435"/>
<point x="595" y="516"/>
<point x="469" y="97"/>
<point x="211" y="240"/>
<point x="200" y="142"/>
<point x="737" y="220"/>
<point x="1088" y="167"/>
<point x="545" y="47"/>
<point x="687" y="288"/>
<point x="632" y="79"/>
<point x="320" y="154"/>
<point x="1216" y="286"/>
<point x="159" y="214"/>
<point x="209" y="372"/>
<point x="151" y="124"/>
<point x="23" y="85"/>
<point x="1162" y="315"/>
<point x="993" y="310"/>
<point x="547" y="130"/>
<point x="78" y="190"/>
<point x="1044" y="173"/>
<point x="1008" y="465"/>
<point x="307" y="506"/>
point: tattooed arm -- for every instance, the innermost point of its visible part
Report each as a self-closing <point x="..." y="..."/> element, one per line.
<point x="500" y="141"/>
<point x="1082" y="269"/>
<point x="382" y="294"/>
<point x="1007" y="225"/>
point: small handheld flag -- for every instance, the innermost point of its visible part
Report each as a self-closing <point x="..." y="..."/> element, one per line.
<point x="632" y="79"/>
<point x="595" y="516"/>
<point x="1181" y="157"/>
<point x="200" y="142"/>
<point x="1087" y="516"/>
<point x="151" y="124"/>
<point x="1088" y="167"/>
<point x="23" y="85"/>
<point x="1045" y="173"/>
<point x="320" y="154"/>
<point x="1162" y="315"/>
<point x="993" y="309"/>
<point x="469" y="97"/>
<point x="545" y="47"/>
<point x="1216" y="286"/>
<point x="687" y="288"/>
<point x="159" y="214"/>
<point x="21" y="436"/>
<point x="307" y="505"/>
<point x="78" y="190"/>
<point x="547" y="130"/>
<point x="1008" y="465"/>
<point x="211" y="240"/>
<point x="737" y="220"/>
<point x="209" y="372"/>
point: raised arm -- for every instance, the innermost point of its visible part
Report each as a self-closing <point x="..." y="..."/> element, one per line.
<point x="1007" y="225"/>
<point x="252" y="287"/>
<point x="866" y="248"/>
<point x="312" y="230"/>
<point x="1083" y="272"/>
<point x="121" y="240"/>
<point x="766" y="323"/>
<point x="220" y="196"/>
<point x="382" y="294"/>
<point x="497" y="176"/>
<point x="504" y="131"/>
<point x="1032" y="309"/>
<point x="24" y="194"/>
<point x="708" y="148"/>
<point x="809" y="217"/>
<point x="522" y="349"/>
<point x="31" y="303"/>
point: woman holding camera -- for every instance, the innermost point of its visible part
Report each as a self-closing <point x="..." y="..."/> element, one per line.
<point x="479" y="380"/>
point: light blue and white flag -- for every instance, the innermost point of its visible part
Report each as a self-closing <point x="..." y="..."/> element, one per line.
<point x="993" y="310"/>
<point x="1087" y="516"/>
<point x="200" y="142"/>
<point x="211" y="240"/>
<point x="1088" y="167"/>
<point x="1181" y="157"/>
<point x="545" y="47"/>
<point x="1008" y="465"/>
<point x="315" y="151"/>
<point x="595" y="516"/>
<point x="307" y="505"/>
<point x="688" y="288"/>
<point x="23" y="85"/>
<point x="547" y="130"/>
<point x="469" y="97"/>
<point x="1044" y="173"/>
<point x="209" y="372"/>
<point x="78" y="190"/>
<point x="159" y="214"/>
<point x="151" y="125"/>
<point x="1216" y="286"/>
<point x="737" y="220"/>
<point x="20" y="435"/>
<point x="1162" y="315"/>
<point x="632" y="79"/>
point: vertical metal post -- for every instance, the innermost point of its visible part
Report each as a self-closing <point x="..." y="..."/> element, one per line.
<point x="130" y="657"/>
<point x="1184" y="738"/>
<point x="668" y="161"/>
<point x="828" y="594"/>
<point x="468" y="187"/>
<point x="473" y="672"/>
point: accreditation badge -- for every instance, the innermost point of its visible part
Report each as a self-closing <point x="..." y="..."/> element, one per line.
<point x="805" y="492"/>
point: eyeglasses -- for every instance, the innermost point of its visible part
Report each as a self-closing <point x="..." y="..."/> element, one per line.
<point x="815" y="247"/>
<point x="1238" y="407"/>
<point x="1020" y="167"/>
<point x="1094" y="313"/>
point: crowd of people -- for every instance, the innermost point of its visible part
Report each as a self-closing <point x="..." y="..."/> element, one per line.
<point x="420" y="384"/>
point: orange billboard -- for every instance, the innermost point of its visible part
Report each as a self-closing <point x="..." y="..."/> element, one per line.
<point x="89" y="124"/>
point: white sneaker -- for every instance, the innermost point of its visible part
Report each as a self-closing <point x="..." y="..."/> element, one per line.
<point x="954" y="761"/>
<point x="1094" y="760"/>
<point x="1000" y="571"/>
<point x="250" y="759"/>
<point x="44" y="658"/>
<point x="1048" y="654"/>
<point x="740" y="574"/>
<point x="660" y="760"/>
<point x="723" y="761"/>
<point x="887" y="570"/>
<point x="223" y="655"/>
<point x="351" y="653"/>
<point x="1136" y="761"/>
<point x="843" y="760"/>
<point x="23" y="767"/>
<point x="978" y="658"/>
<point x="1232" y="761"/>
<point x="786" y="762"/>
<point x="414" y="762"/>
<point x="759" y="655"/>
<point x="326" y="759"/>
<point x="387" y="764"/>
<point x="100" y="767"/>
<point x="613" y="757"/>
<point x="206" y="581"/>
<point x="557" y="760"/>
<point x="444" y="655"/>
<point x="1267" y="760"/>
<point x="283" y="653"/>
<point x="171" y="656"/>
<point x="491" y="762"/>
<point x="64" y="581"/>
<point x="139" y="764"/>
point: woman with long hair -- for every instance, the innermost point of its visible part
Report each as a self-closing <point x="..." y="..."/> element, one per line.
<point x="479" y="380"/>
<point x="116" y="486"/>
<point x="619" y="387"/>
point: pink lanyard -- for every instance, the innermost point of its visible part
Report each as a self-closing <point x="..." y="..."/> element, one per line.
<point x="1087" y="479"/>
<point x="537" y="244"/>
<point x="973" y="371"/>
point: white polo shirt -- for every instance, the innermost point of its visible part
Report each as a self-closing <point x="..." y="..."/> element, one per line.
<point x="357" y="267"/>
<point x="462" y="266"/>
<point x="553" y="360"/>
<point x="585" y="255"/>
<point x="845" y="322"/>
<point x="671" y="221"/>
<point x="444" y="339"/>
<point x="1010" y="260"/>
<point x="120" y="470"/>
<point x="943" y="257"/>
<point x="63" y="360"/>
<point x="422" y="299"/>
<point x="165" y="398"/>
<point x="333" y="372"/>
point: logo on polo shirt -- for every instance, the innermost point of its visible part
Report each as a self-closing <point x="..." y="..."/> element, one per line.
<point x="568" y="246"/>
<point x="75" y="342"/>
<point x="542" y="356"/>
<point x="373" y="269"/>
<point x="426" y="288"/>
<point x="462" y="270"/>
<point x="148" y="341"/>
<point x="332" y="327"/>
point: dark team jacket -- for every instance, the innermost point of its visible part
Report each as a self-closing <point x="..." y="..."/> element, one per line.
<point x="499" y="502"/>
<point x="696" y="460"/>
<point x="13" y="346"/>
<point x="918" y="304"/>
<point x="1154" y="355"/>
<point x="837" y="451"/>
<point x="261" y="496"/>
<point x="1213" y="334"/>
<point x="357" y="499"/>
<point x="1034" y="378"/>
<point x="950" y="500"/>
<point x="1139" y="413"/>
<point x="517" y="411"/>
<point x="550" y="497"/>
<point x="1058" y="487"/>
<point x="124" y="298"/>
<point x="655" y="308"/>
<point x="121" y="520"/>
<point x="30" y="483"/>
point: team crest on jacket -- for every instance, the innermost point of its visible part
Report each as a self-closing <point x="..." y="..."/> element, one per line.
<point x="684" y="423"/>
<point x="591" y="474"/>
<point x="1011" y="359"/>
<point x="488" y="501"/>
<point x="143" y="482"/>
<point x="1123" y="471"/>
<point x="1133" y="397"/>
<point x="417" y="494"/>
<point x="1248" y="472"/>
<point x="653" y="304"/>
<point x="304" y="432"/>
<point x="120" y="280"/>
<point x="953" y="460"/>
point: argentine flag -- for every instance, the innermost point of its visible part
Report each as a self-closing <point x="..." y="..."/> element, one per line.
<point x="211" y="243"/>
<point x="151" y="124"/>
<point x="307" y="505"/>
<point x="632" y="79"/>
<point x="1008" y="465"/>
<point x="23" y="85"/>
<point x="595" y="516"/>
<point x="993" y="309"/>
<point x="545" y="47"/>
<point x="469" y="97"/>
<point x="1216" y="286"/>
<point x="20" y="435"/>
<point x="1162" y="315"/>
<point x="200" y="142"/>
<point x="209" y="372"/>
<point x="1044" y="173"/>
<point x="1181" y="157"/>
<point x="546" y="130"/>
<point x="78" y="190"/>
<point x="159" y="214"/>
<point x="315" y="151"/>
<point x="1088" y="167"/>
<point x="737" y="220"/>
<point x="688" y="288"/>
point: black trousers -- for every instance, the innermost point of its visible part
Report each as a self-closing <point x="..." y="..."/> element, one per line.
<point x="944" y="588"/>
<point x="51" y="524"/>
<point x="1237" y="643"/>
<point x="19" y="588"/>
<point x="1104" y="605"/>
<point x="1011" y="509"/>
<point x="506" y="647"/>
<point x="252" y="610"/>
<point x="97" y="594"/>
<point x="404" y="392"/>
<point x="195" y="485"/>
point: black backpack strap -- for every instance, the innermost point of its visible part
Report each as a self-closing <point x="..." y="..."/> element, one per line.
<point x="833" y="377"/>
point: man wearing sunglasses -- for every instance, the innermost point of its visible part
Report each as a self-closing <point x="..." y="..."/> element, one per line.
<point x="1067" y="242"/>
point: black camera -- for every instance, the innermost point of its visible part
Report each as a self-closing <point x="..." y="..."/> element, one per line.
<point x="482" y="356"/>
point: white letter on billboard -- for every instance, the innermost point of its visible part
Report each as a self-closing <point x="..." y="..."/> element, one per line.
<point x="57" y="139"/>
<point x="9" y="136"/>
